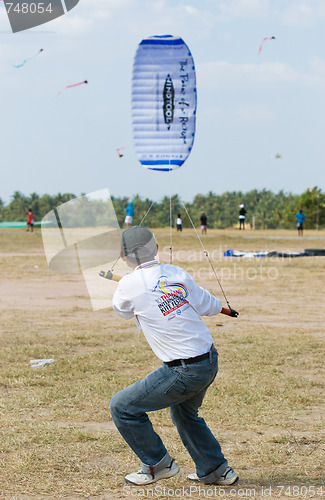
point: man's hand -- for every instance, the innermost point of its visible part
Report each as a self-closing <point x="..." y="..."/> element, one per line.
<point x="230" y="312"/>
<point x="109" y="276"/>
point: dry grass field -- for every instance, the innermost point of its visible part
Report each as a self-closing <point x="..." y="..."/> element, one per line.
<point x="266" y="407"/>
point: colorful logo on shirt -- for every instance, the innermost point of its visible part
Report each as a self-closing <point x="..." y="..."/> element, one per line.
<point x="173" y="295"/>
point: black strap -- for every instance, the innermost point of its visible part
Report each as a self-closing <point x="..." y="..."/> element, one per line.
<point x="188" y="361"/>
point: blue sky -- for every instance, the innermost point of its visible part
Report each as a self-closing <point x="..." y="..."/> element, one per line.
<point x="250" y="107"/>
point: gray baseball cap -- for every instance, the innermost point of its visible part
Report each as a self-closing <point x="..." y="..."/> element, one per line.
<point x="138" y="244"/>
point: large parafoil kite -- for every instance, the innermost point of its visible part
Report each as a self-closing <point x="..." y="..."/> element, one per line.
<point x="163" y="102"/>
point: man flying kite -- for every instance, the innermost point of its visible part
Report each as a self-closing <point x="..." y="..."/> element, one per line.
<point x="167" y="304"/>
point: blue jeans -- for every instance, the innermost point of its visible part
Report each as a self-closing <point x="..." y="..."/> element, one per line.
<point x="182" y="389"/>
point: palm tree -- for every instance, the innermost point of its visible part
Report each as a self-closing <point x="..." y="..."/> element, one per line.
<point x="18" y="207"/>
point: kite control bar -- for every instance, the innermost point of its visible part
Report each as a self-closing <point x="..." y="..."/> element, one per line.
<point x="114" y="277"/>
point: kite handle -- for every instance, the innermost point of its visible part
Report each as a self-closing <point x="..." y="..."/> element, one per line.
<point x="110" y="276"/>
<point x="229" y="312"/>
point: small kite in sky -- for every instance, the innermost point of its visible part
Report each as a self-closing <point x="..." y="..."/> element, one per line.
<point x="277" y="156"/>
<point x="70" y="87"/>
<point x="120" y="155"/>
<point x="264" y="40"/>
<point x="29" y="59"/>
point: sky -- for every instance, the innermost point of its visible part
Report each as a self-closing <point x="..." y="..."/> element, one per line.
<point x="250" y="107"/>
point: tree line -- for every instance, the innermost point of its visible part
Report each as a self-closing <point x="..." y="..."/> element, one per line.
<point x="265" y="209"/>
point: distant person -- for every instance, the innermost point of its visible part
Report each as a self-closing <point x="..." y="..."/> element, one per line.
<point x="30" y="221"/>
<point x="242" y="215"/>
<point x="204" y="223"/>
<point x="300" y="216"/>
<point x="129" y="214"/>
<point x="179" y="223"/>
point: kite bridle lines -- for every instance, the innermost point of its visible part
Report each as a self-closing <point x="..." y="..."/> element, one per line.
<point x="143" y="218"/>
<point x="207" y="255"/>
<point x="170" y="225"/>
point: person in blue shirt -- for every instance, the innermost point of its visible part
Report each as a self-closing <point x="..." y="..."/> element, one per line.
<point x="129" y="214"/>
<point x="300" y="216"/>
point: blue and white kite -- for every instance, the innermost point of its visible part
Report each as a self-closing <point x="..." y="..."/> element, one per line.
<point x="163" y="102"/>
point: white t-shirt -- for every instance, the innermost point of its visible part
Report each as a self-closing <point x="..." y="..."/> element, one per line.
<point x="167" y="304"/>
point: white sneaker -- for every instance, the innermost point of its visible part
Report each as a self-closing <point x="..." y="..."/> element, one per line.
<point x="142" y="478"/>
<point x="227" y="478"/>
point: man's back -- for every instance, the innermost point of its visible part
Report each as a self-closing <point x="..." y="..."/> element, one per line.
<point x="167" y="304"/>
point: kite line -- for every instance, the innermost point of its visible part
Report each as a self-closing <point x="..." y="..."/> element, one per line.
<point x="207" y="256"/>
<point x="146" y="213"/>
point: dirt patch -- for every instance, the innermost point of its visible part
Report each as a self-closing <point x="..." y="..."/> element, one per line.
<point x="91" y="427"/>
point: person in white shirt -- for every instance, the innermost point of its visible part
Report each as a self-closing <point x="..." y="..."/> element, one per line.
<point x="167" y="304"/>
<point x="242" y="216"/>
<point x="179" y="223"/>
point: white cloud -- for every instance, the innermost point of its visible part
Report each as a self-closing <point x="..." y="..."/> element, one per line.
<point x="303" y="13"/>
<point x="6" y="53"/>
<point x="256" y="115"/>
<point x="144" y="17"/>
<point x="85" y="17"/>
<point x="318" y="66"/>
<point x="72" y="25"/>
<point x="221" y="74"/>
<point x="191" y="10"/>
<point x="316" y="76"/>
<point x="245" y="8"/>
<point x="4" y="21"/>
